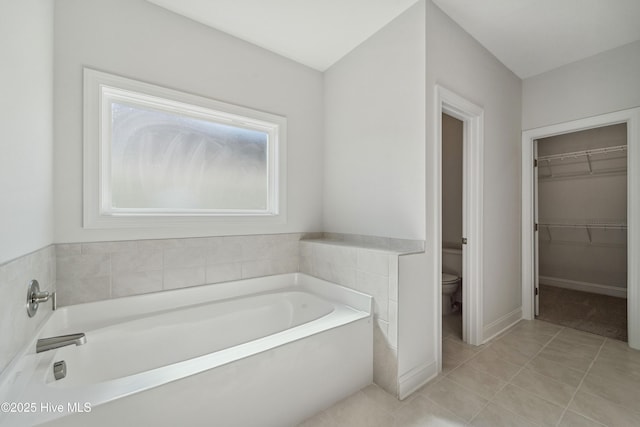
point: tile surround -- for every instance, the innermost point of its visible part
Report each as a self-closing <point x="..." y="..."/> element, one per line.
<point x="102" y="270"/>
<point x="369" y="266"/>
<point x="534" y="392"/>
<point x="16" y="328"/>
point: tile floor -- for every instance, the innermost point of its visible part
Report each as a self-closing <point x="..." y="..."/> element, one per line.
<point x="535" y="374"/>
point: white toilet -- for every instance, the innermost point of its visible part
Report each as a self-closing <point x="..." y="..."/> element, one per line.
<point x="450" y="284"/>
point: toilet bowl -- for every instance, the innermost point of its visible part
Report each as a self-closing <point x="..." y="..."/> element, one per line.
<point x="450" y="284"/>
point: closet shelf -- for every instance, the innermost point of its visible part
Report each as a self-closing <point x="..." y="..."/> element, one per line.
<point x="586" y="226"/>
<point x="583" y="153"/>
<point x="619" y="226"/>
<point x="587" y="155"/>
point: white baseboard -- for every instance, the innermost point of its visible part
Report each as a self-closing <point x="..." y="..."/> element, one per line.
<point x="416" y="378"/>
<point x="576" y="285"/>
<point x="502" y="324"/>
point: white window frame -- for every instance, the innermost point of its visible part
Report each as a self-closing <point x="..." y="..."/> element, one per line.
<point x="101" y="89"/>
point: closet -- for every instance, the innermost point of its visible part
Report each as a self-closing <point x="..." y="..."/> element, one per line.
<point x="581" y="202"/>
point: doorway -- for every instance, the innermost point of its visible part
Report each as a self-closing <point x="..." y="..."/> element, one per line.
<point x="472" y="118"/>
<point x="631" y="118"/>
<point x="581" y="211"/>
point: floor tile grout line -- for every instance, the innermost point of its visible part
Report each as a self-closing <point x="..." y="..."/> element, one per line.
<point x="491" y="400"/>
<point x="581" y="382"/>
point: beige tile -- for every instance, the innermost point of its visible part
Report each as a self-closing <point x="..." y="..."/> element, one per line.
<point x="567" y="355"/>
<point x="109" y="247"/>
<point x="223" y="272"/>
<point x="616" y="366"/>
<point x="425" y="389"/>
<point x="490" y="362"/>
<point x="497" y="416"/>
<point x="603" y="411"/>
<point x="619" y="348"/>
<point x="455" y="349"/>
<point x="376" y="262"/>
<point x="191" y="242"/>
<point x="183" y="277"/>
<point x="385" y="363"/>
<point x="574" y="349"/>
<point x="556" y="371"/>
<point x="393" y="323"/>
<point x="184" y="257"/>
<point x="224" y="250"/>
<point x="538" y="326"/>
<point x="359" y="411"/>
<point x="126" y="284"/>
<point x="306" y="265"/>
<point x="529" y="406"/>
<point x="460" y="400"/>
<point x="393" y="277"/>
<point x="571" y="419"/>
<point x="269" y="267"/>
<point x="423" y="412"/>
<point x="63" y="249"/>
<point x="319" y="420"/>
<point x="512" y="354"/>
<point x="132" y="261"/>
<point x="452" y="326"/>
<point x="535" y="339"/>
<point x="77" y="291"/>
<point x="544" y="387"/>
<point x="623" y="391"/>
<point x="378" y="287"/>
<point x="579" y="337"/>
<point x="337" y="255"/>
<point x="381" y="398"/>
<point x="484" y="384"/>
<point x="79" y="266"/>
<point x="306" y="249"/>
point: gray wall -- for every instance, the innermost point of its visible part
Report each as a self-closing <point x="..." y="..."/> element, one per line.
<point x="584" y="198"/>
<point x="139" y="40"/>
<point x="600" y="84"/>
<point x="26" y="164"/>
<point x="374" y="134"/>
<point x="26" y="151"/>
<point x="458" y="62"/>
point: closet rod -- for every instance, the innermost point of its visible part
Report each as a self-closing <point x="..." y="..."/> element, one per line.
<point x="573" y="154"/>
<point x="592" y="225"/>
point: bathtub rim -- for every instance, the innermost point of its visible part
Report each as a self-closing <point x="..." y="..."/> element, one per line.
<point x="350" y="306"/>
<point x="103" y="311"/>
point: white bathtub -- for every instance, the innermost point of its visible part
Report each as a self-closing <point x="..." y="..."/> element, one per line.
<point x="259" y="352"/>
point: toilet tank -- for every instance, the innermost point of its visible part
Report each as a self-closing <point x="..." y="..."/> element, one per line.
<point x="452" y="260"/>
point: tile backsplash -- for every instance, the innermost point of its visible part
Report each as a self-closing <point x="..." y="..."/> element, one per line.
<point x="95" y="271"/>
<point x="370" y="265"/>
<point x="16" y="327"/>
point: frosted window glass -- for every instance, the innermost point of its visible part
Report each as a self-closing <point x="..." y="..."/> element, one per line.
<point x="166" y="161"/>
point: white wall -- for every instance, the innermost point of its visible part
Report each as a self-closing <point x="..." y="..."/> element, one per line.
<point x="374" y="134"/>
<point x="600" y="84"/>
<point x="139" y="40"/>
<point x="459" y="63"/>
<point x="26" y="151"/>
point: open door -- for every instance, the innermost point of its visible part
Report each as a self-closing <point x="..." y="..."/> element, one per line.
<point x="536" y="234"/>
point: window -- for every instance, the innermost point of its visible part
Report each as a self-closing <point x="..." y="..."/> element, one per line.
<point x="155" y="156"/>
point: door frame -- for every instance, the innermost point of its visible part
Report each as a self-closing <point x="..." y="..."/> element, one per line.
<point x="472" y="117"/>
<point x="632" y="118"/>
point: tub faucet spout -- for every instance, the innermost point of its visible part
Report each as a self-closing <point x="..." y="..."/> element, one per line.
<point x="45" y="344"/>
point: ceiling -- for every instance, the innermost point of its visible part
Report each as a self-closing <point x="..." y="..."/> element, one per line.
<point x="534" y="36"/>
<point x="316" y="33"/>
<point x="528" y="36"/>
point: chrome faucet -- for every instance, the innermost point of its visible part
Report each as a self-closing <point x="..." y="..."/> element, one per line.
<point x="45" y="344"/>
